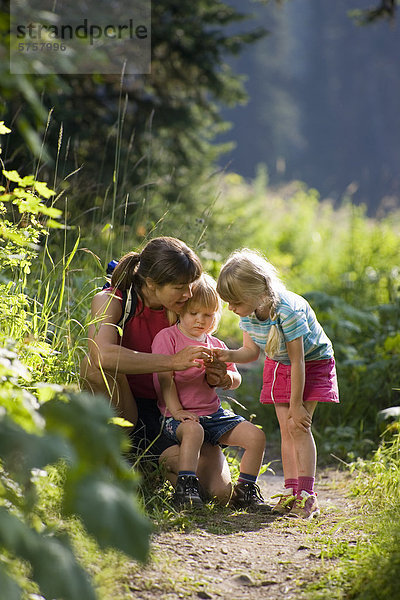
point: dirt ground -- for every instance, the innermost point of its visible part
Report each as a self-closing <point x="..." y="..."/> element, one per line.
<point x="228" y="555"/>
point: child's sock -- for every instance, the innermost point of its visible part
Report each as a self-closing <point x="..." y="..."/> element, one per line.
<point x="307" y="484"/>
<point x="292" y="483"/>
<point x="246" y="478"/>
<point x="186" y="473"/>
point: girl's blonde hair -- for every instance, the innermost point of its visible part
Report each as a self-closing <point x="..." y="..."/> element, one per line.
<point x="247" y="276"/>
<point x="205" y="296"/>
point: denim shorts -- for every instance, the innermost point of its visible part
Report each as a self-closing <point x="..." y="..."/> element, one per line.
<point x="214" y="425"/>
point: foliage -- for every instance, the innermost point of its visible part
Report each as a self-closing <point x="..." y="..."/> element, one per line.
<point x="43" y="425"/>
<point x="386" y="9"/>
<point x="98" y="487"/>
<point x="133" y="138"/>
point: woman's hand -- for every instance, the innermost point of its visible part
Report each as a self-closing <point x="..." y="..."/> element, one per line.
<point x="300" y="416"/>
<point x="185" y="415"/>
<point x="191" y="356"/>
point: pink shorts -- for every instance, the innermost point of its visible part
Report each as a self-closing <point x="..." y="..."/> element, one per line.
<point x="320" y="385"/>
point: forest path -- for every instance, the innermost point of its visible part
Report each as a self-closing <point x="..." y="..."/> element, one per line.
<point x="226" y="555"/>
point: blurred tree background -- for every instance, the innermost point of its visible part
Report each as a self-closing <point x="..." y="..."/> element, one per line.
<point x="324" y="93"/>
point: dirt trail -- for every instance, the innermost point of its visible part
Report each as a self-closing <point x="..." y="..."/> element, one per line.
<point x="230" y="556"/>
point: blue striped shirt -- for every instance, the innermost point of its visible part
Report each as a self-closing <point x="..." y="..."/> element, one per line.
<point x="294" y="318"/>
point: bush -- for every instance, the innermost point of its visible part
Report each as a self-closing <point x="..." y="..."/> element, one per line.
<point x="43" y="424"/>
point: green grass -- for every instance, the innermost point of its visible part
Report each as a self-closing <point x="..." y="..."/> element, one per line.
<point x="369" y="563"/>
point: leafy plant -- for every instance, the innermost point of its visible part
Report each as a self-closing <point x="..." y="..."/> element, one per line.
<point x="43" y="424"/>
<point x="98" y="485"/>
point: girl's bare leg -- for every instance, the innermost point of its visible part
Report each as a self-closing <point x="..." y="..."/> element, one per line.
<point x="252" y="440"/>
<point x="304" y="444"/>
<point x="190" y="435"/>
<point x="288" y="452"/>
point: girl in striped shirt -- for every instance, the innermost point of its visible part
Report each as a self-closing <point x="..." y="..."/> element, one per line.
<point x="299" y="368"/>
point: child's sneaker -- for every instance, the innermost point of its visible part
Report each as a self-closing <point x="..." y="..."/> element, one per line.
<point x="305" y="506"/>
<point x="187" y="492"/>
<point x="247" y="495"/>
<point x="285" y="502"/>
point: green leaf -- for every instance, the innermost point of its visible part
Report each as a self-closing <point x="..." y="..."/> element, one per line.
<point x="27" y="180"/>
<point x="54" y="566"/>
<point x="43" y="190"/>
<point x="13" y="236"/>
<point x="12" y="176"/>
<point x="22" y="451"/>
<point x="3" y="131"/>
<point x="15" y="535"/>
<point x="121" y="422"/>
<point x="9" y="589"/>
<point x="111" y="515"/>
<point x="54" y="224"/>
<point x="57" y="572"/>
<point x="47" y="391"/>
<point x="27" y="203"/>
<point x="84" y="420"/>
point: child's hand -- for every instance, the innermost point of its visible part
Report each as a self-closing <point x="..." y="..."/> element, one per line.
<point x="300" y="416"/>
<point x="222" y="355"/>
<point x="185" y="415"/>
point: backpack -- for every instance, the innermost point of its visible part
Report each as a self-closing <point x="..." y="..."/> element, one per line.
<point x="129" y="297"/>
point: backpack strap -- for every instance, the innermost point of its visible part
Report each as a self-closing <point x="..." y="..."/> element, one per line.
<point x="129" y="305"/>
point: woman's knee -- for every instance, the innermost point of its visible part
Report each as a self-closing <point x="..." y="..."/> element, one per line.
<point x="91" y="377"/>
<point x="214" y="474"/>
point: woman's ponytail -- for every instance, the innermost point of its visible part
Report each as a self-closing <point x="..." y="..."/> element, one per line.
<point x="124" y="273"/>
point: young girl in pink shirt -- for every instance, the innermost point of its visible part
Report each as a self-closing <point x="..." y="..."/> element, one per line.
<point x="191" y="409"/>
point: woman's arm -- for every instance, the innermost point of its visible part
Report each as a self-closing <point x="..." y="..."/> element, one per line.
<point x="297" y="410"/>
<point x="171" y="399"/>
<point x="247" y="353"/>
<point x="106" y="352"/>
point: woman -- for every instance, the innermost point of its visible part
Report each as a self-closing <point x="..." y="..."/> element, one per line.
<point x="120" y="364"/>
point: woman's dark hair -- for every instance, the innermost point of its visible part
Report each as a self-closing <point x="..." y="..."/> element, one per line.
<point x="163" y="259"/>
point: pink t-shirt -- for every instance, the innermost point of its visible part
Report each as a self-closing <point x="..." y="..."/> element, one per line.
<point x="193" y="390"/>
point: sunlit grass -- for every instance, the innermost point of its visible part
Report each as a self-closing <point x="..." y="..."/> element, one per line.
<point x="370" y="558"/>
